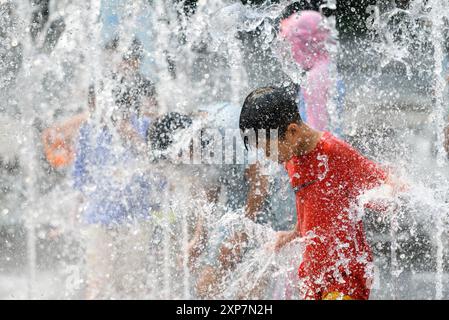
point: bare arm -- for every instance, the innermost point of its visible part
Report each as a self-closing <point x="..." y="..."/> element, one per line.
<point x="130" y="135"/>
<point x="285" y="237"/>
<point x="258" y="191"/>
<point x="198" y="241"/>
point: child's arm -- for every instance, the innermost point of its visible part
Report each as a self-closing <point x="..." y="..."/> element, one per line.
<point x="367" y="174"/>
<point x="198" y="242"/>
<point x="396" y="184"/>
<point x="258" y="191"/>
<point x="285" y="237"/>
<point x="129" y="134"/>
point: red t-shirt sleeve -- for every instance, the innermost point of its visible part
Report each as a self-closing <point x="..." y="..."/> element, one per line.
<point x="365" y="174"/>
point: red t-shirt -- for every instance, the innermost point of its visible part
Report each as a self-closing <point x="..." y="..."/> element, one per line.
<point x="327" y="182"/>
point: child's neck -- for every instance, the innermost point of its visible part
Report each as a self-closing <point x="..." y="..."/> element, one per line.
<point x="308" y="141"/>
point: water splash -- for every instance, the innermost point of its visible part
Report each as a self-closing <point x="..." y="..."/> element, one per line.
<point x="197" y="59"/>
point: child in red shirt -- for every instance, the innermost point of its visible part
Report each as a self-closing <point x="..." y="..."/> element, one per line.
<point x="327" y="176"/>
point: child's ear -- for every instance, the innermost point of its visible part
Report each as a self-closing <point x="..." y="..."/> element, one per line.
<point x="292" y="130"/>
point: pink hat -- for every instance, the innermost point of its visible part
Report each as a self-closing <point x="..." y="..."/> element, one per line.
<point x="307" y="35"/>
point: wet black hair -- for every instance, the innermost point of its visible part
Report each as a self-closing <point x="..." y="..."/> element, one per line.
<point x="148" y="88"/>
<point x="129" y="94"/>
<point x="135" y="51"/>
<point x="269" y="108"/>
<point x="299" y="6"/>
<point x="91" y="96"/>
<point x="161" y="132"/>
<point x="112" y="44"/>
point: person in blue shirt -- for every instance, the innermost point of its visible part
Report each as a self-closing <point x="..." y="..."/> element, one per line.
<point x="115" y="188"/>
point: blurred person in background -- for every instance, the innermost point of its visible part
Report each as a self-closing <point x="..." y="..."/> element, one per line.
<point x="188" y="199"/>
<point x="135" y="98"/>
<point x="115" y="191"/>
<point x="254" y="186"/>
<point x="134" y="94"/>
<point x="309" y="39"/>
<point x="59" y="140"/>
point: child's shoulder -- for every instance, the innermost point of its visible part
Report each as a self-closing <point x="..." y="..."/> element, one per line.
<point x="336" y="146"/>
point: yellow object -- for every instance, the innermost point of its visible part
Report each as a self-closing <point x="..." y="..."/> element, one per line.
<point x="336" y="296"/>
<point x="164" y="216"/>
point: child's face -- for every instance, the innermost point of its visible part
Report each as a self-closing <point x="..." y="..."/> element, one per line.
<point x="285" y="150"/>
<point x="292" y="140"/>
